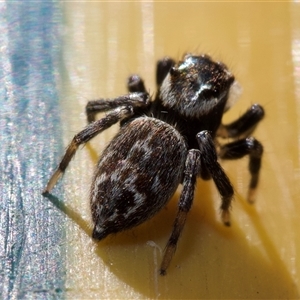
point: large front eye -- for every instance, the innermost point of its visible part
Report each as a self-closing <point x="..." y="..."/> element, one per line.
<point x="207" y="94"/>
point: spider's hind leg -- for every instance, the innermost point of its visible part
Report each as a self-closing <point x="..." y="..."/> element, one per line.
<point x="83" y="137"/>
<point x="134" y="99"/>
<point x="124" y="108"/>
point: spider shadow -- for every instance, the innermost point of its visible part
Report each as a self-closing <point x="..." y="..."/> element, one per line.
<point x="71" y="213"/>
<point x="207" y="252"/>
<point x="207" y="248"/>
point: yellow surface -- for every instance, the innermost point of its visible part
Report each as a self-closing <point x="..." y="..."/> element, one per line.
<point x="258" y="257"/>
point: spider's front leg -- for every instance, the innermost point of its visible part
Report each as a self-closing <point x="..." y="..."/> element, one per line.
<point x="125" y="110"/>
<point x="209" y="163"/>
<point x="244" y="125"/>
<point x="136" y="84"/>
<point x="202" y="161"/>
<point x="248" y="146"/>
<point x="242" y="128"/>
<point x="192" y="167"/>
<point x="162" y="69"/>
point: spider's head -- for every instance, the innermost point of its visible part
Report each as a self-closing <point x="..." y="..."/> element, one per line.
<point x="196" y="86"/>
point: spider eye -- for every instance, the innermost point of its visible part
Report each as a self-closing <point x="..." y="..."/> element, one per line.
<point x="208" y="93"/>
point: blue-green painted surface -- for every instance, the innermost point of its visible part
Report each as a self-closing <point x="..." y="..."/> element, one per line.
<point x="31" y="228"/>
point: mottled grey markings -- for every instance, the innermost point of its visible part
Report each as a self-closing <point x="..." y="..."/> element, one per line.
<point x="143" y="174"/>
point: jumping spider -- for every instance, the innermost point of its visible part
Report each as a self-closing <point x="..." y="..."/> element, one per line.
<point x="162" y="143"/>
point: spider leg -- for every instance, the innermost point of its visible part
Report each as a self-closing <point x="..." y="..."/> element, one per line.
<point x="209" y="161"/>
<point x="84" y="136"/>
<point x="133" y="99"/>
<point x="248" y="146"/>
<point x="136" y="84"/>
<point x="162" y="69"/>
<point x="191" y="171"/>
<point x="244" y="125"/>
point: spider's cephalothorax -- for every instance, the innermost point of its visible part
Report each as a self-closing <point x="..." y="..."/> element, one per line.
<point x="165" y="142"/>
<point x="196" y="87"/>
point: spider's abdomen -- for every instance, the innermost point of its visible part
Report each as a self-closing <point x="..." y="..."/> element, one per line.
<point x="136" y="175"/>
